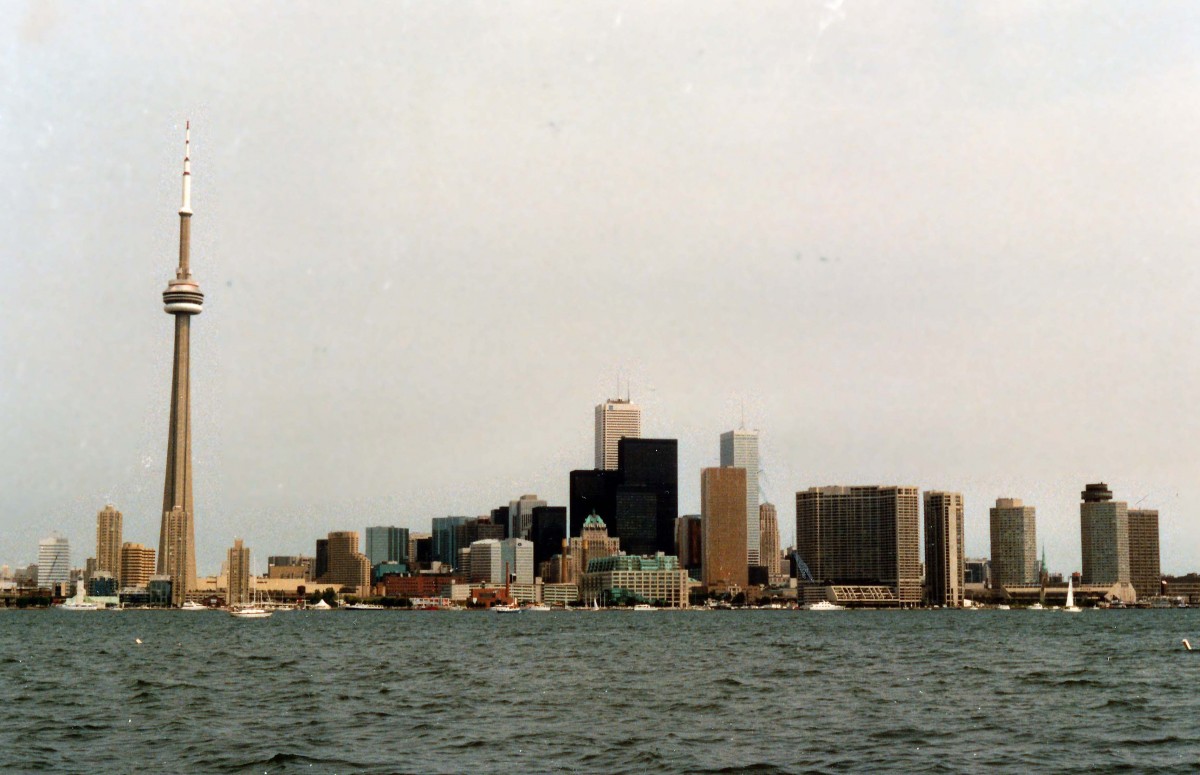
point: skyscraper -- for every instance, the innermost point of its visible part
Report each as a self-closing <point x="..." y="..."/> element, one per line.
<point x="647" y="498"/>
<point x="137" y="565"/>
<point x="1104" y="533"/>
<point x="768" y="538"/>
<point x="1144" y="571"/>
<point x="593" y="492"/>
<point x="687" y="541"/>
<point x="108" y="540"/>
<point x="616" y="419"/>
<point x="1014" y="543"/>
<point x="547" y="532"/>
<point x="723" y="527"/>
<point x="520" y="515"/>
<point x="862" y="536"/>
<point x="387" y="544"/>
<point x="944" y="571"/>
<point x="445" y="545"/>
<point x="347" y="566"/>
<point x="237" y="568"/>
<point x="740" y="448"/>
<point x="54" y="561"/>
<point x="183" y="299"/>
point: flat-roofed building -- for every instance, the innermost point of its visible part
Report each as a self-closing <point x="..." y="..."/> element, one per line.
<point x="108" y="541"/>
<point x="739" y="449"/>
<point x="348" y="568"/>
<point x="768" y="541"/>
<point x="862" y="536"/>
<point x="723" y="528"/>
<point x="616" y="419"/>
<point x="1014" y="543"/>
<point x="137" y="565"/>
<point x="1144" y="571"/>
<point x="944" y="572"/>
<point x="627" y="579"/>
<point x="688" y="546"/>
<point x="237" y="567"/>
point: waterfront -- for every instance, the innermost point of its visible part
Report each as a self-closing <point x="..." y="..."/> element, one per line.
<point x="768" y="691"/>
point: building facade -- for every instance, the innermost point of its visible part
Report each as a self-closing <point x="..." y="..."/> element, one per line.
<point x="108" y="541"/>
<point x="387" y="544"/>
<point x="593" y="543"/>
<point x="866" y="536"/>
<point x="647" y="498"/>
<point x="1013" y="528"/>
<point x="1144" y="571"/>
<point x="1104" y="534"/>
<point x="237" y="568"/>
<point x="347" y="567"/>
<point x="723" y="528"/>
<point x="944" y="563"/>
<point x="616" y="419"/>
<point x="627" y="580"/>
<point x="520" y="515"/>
<point x="137" y="565"/>
<point x="54" y="561"/>
<point x="688" y="547"/>
<point x="445" y="539"/>
<point x="739" y="448"/>
<point x="768" y="541"/>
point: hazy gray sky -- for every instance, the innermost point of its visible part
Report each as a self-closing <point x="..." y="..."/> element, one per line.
<point x="949" y="245"/>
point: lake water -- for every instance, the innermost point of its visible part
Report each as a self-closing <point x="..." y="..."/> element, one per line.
<point x="676" y="692"/>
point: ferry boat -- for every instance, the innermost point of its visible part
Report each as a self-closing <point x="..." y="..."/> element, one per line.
<point x="80" y="601"/>
<point x="824" y="605"/>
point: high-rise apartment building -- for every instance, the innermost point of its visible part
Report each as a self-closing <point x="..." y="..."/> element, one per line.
<point x="723" y="528"/>
<point x="182" y="299"/>
<point x="862" y="536"/>
<point x="137" y="565"/>
<point x="768" y="538"/>
<point x="347" y="566"/>
<point x="1104" y="533"/>
<point x="739" y="448"/>
<point x="616" y="419"/>
<point x="108" y="541"/>
<point x="387" y="544"/>
<point x="54" y="561"/>
<point x="1144" y="571"/>
<point x="1014" y="543"/>
<point x="944" y="570"/>
<point x="237" y="568"/>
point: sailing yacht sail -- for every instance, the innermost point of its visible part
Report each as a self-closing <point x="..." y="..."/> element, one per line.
<point x="1071" y="607"/>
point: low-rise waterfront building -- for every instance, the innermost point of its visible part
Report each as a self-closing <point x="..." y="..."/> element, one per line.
<point x="624" y="580"/>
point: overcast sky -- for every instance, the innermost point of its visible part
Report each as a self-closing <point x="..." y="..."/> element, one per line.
<point x="950" y="245"/>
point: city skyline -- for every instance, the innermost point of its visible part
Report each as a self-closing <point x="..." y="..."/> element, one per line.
<point x="711" y="248"/>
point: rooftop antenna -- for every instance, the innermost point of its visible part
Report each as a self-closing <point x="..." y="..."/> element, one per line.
<point x="743" y="414"/>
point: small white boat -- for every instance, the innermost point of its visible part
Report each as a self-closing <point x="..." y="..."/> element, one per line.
<point x="80" y="601"/>
<point x="364" y="607"/>
<point x="537" y="607"/>
<point x="644" y="607"/>
<point x="1003" y="607"/>
<point x="1070" y="607"/>
<point x="191" y="605"/>
<point x="505" y="608"/>
<point x="249" y="612"/>
<point x="1036" y="607"/>
<point x="824" y="605"/>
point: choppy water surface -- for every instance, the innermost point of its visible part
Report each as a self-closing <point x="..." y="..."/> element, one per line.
<point x="771" y="691"/>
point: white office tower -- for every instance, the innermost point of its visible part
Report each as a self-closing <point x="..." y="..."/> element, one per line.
<point x="54" y="561"/>
<point x="740" y="449"/>
<point x="616" y="419"/>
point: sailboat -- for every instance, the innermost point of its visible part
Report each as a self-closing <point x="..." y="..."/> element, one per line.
<point x="253" y="610"/>
<point x="1070" y="606"/>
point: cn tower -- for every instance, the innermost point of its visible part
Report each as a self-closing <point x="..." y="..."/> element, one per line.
<point x="182" y="298"/>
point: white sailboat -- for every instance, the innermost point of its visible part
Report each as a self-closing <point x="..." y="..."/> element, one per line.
<point x="1070" y="606"/>
<point x="253" y="610"/>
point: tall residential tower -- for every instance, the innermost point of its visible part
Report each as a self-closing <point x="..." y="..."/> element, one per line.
<point x="1014" y="543"/>
<point x="182" y="298"/>
<point x="108" y="540"/>
<point x="944" y="549"/>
